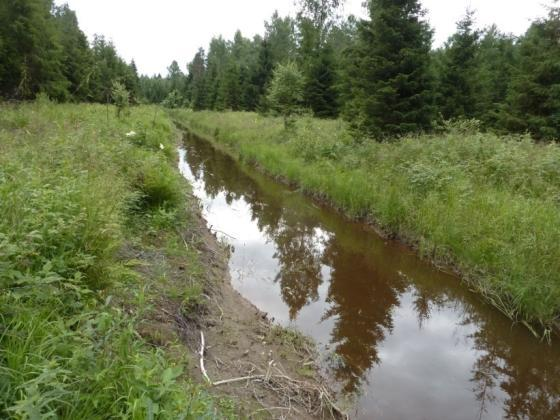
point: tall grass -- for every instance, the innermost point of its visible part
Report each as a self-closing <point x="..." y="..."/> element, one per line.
<point x="71" y="184"/>
<point x="488" y="205"/>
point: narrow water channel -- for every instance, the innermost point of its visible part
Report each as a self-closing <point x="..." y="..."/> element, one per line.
<point x="405" y="340"/>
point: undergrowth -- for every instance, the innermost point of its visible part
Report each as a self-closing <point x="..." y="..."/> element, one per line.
<point x="78" y="187"/>
<point x="486" y="204"/>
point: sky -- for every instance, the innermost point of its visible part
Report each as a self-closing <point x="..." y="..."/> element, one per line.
<point x="154" y="33"/>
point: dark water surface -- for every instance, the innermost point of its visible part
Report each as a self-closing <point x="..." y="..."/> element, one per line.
<point x="407" y="341"/>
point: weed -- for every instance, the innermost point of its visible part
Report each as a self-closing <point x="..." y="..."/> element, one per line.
<point x="71" y="189"/>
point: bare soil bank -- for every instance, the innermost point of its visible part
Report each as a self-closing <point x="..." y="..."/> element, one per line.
<point x="268" y="371"/>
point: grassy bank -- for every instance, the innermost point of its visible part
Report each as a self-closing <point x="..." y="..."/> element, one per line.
<point x="488" y="205"/>
<point x="90" y="233"/>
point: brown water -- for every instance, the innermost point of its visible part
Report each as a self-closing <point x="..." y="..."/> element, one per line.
<point x="400" y="339"/>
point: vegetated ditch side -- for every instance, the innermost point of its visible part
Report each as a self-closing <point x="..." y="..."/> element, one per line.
<point x="478" y="204"/>
<point x="108" y="276"/>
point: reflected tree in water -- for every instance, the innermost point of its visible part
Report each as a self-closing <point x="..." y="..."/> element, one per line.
<point x="362" y="311"/>
<point x="299" y="256"/>
<point x="522" y="372"/>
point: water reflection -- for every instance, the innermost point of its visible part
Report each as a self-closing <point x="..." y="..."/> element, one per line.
<point x="409" y="341"/>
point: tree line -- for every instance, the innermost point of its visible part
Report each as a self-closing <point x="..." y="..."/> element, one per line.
<point x="43" y="50"/>
<point x="381" y="73"/>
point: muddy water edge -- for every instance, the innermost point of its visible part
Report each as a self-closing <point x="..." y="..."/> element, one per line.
<point x="398" y="339"/>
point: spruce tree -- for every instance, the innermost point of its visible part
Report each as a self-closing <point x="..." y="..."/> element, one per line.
<point x="320" y="92"/>
<point x="261" y="76"/>
<point x="108" y="68"/>
<point x="533" y="102"/>
<point x="495" y="65"/>
<point x="132" y="81"/>
<point x="280" y="36"/>
<point x="315" y="20"/>
<point x="77" y="62"/>
<point x="31" y="55"/>
<point x="197" y="81"/>
<point x="456" y="83"/>
<point x="175" y="76"/>
<point x="389" y="71"/>
<point x="230" y="88"/>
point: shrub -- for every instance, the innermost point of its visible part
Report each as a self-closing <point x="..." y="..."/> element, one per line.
<point x="121" y="98"/>
<point x="157" y="182"/>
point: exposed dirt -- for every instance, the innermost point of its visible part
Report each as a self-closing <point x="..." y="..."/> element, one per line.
<point x="241" y="341"/>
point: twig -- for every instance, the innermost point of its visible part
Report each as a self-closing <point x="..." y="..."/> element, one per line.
<point x="323" y="394"/>
<point x="267" y="379"/>
<point x="268" y="409"/>
<point x="217" y="304"/>
<point x="211" y="229"/>
<point x="220" y="308"/>
<point x="202" y="368"/>
<point x="240" y="379"/>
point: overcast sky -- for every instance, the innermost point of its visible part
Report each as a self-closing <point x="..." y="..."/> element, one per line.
<point x="156" y="32"/>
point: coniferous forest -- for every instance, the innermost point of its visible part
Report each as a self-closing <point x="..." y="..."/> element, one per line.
<point x="382" y="74"/>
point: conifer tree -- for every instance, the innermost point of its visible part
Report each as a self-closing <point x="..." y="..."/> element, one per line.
<point x="495" y="65"/>
<point x="389" y="71"/>
<point x="230" y="88"/>
<point x="77" y="62"/>
<point x="320" y="92"/>
<point x="176" y="78"/>
<point x="30" y="55"/>
<point x="108" y="68"/>
<point x="456" y="83"/>
<point x="262" y="75"/>
<point x="315" y="20"/>
<point x="197" y="81"/>
<point x="280" y="36"/>
<point x="533" y="102"/>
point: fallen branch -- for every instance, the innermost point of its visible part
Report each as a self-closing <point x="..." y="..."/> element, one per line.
<point x="306" y="391"/>
<point x="202" y="368"/>
<point x="240" y="379"/>
<point x="211" y="229"/>
<point x="323" y="394"/>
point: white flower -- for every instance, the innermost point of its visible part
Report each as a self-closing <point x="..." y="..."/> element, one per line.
<point x="161" y="146"/>
<point x="131" y="134"/>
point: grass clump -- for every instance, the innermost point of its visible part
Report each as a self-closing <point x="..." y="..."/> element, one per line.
<point x="72" y="187"/>
<point x="487" y="204"/>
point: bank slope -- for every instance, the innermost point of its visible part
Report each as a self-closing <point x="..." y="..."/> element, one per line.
<point x="487" y="205"/>
<point x="91" y="206"/>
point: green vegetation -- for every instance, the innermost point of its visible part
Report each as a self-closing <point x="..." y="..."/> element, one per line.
<point x="121" y="98"/>
<point x="92" y="211"/>
<point x="487" y="204"/>
<point x="389" y="75"/>
<point x="43" y="50"/>
<point x="458" y="72"/>
<point x="382" y="73"/>
<point x="286" y="91"/>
